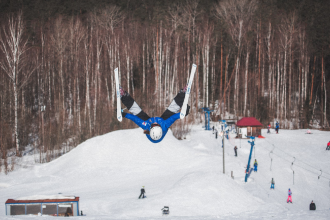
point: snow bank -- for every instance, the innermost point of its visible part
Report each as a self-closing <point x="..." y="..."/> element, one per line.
<point x="107" y="172"/>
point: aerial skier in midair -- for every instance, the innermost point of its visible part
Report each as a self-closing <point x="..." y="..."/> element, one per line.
<point x="155" y="128"/>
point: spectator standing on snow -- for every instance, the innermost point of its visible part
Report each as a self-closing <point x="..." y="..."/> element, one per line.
<point x="268" y="127"/>
<point x="328" y="146"/>
<point x="312" y="206"/>
<point x="272" y="186"/>
<point x="255" y="165"/>
<point x="289" y="196"/>
<point x="142" y="193"/>
<point x="277" y="128"/>
<point x="235" y="149"/>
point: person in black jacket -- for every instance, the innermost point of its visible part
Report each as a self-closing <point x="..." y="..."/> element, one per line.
<point x="235" y="149"/>
<point x="312" y="206"/>
<point x="142" y="193"/>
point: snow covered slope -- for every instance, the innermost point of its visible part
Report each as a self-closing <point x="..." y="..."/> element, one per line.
<point x="107" y="173"/>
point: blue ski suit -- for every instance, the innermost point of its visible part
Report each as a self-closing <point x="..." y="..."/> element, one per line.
<point x="145" y="125"/>
<point x="139" y="117"/>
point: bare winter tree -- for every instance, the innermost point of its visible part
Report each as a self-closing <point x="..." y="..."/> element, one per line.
<point x="175" y="18"/>
<point x="286" y="30"/>
<point x="14" y="48"/>
<point x="60" y="42"/>
<point x="110" y="17"/>
<point x="237" y="15"/>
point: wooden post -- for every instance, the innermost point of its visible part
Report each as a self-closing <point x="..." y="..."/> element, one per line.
<point x="223" y="150"/>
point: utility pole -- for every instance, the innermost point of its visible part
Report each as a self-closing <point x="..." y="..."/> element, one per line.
<point x="223" y="151"/>
<point x="224" y="129"/>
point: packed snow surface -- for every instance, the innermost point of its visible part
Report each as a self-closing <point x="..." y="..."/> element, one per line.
<point x="108" y="171"/>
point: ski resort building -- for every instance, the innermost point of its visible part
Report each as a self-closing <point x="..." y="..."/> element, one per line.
<point x="57" y="205"/>
<point x="248" y="126"/>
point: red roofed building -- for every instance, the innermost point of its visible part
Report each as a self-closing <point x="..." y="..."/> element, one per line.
<point x="56" y="205"/>
<point x="248" y="126"/>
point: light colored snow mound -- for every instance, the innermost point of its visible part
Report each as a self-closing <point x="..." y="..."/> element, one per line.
<point x="118" y="164"/>
<point x="108" y="171"/>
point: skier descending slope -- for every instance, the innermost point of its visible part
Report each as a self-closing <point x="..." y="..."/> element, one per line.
<point x="289" y="196"/>
<point x="155" y="128"/>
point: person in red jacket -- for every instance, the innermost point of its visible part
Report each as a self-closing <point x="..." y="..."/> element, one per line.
<point x="289" y="196"/>
<point x="328" y="146"/>
<point x="268" y="127"/>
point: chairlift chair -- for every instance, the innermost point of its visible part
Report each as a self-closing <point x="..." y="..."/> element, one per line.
<point x="166" y="210"/>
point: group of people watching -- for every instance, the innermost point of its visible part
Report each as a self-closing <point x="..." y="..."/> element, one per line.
<point x="277" y="127"/>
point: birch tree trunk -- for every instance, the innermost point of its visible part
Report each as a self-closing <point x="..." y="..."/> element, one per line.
<point x="87" y="106"/>
<point x="14" y="48"/>
<point x="246" y="79"/>
<point x="143" y="69"/>
<point x="278" y="88"/>
<point x="269" y="34"/>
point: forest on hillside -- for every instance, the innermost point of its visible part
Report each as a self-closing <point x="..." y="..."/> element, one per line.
<point x="269" y="59"/>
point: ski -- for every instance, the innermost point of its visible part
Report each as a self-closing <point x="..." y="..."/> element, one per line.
<point x="119" y="116"/>
<point x="186" y="98"/>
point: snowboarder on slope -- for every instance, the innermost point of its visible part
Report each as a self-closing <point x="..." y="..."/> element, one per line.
<point x="289" y="196"/>
<point x="277" y="128"/>
<point x="328" y="146"/>
<point x="272" y="186"/>
<point x="235" y="149"/>
<point x="155" y="128"/>
<point x="312" y="206"/>
<point x="142" y="193"/>
<point x="255" y="165"/>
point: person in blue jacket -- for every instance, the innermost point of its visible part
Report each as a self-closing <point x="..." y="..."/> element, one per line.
<point x="277" y="128"/>
<point x="155" y="128"/>
<point x="272" y="186"/>
<point x="255" y="165"/>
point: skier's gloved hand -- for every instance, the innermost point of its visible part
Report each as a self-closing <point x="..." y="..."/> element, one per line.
<point x="188" y="108"/>
<point x="122" y="113"/>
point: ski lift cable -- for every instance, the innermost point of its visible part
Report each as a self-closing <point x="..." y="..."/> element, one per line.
<point x="271" y="159"/>
<point x="292" y="163"/>
<point x="300" y="166"/>
<point x="297" y="159"/>
<point x="292" y="169"/>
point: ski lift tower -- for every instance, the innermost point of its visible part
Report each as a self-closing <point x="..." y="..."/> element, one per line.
<point x="223" y="132"/>
<point x="248" y="166"/>
<point x="207" y="112"/>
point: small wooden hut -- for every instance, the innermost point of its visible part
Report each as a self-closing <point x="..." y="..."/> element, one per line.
<point x="248" y="126"/>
